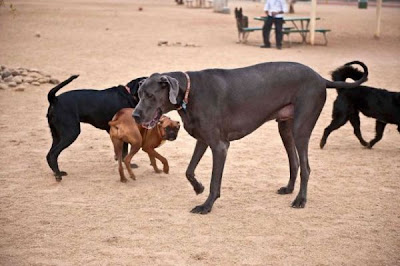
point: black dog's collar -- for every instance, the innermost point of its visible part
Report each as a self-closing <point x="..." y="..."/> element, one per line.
<point x="186" y="98"/>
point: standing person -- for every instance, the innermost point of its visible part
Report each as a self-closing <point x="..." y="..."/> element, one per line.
<point x="274" y="10"/>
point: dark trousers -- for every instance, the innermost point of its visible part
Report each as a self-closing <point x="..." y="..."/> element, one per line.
<point x="278" y="22"/>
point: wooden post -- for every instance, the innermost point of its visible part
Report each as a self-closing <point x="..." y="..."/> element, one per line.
<point x="313" y="20"/>
<point x="378" y="18"/>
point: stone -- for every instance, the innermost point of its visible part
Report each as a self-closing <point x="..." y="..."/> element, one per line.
<point x="28" y="79"/>
<point x="35" y="83"/>
<point x="18" y="79"/>
<point x="43" y="80"/>
<point x="54" y="81"/>
<point x="37" y="35"/>
<point x="5" y="73"/>
<point x="8" y="79"/>
<point x="2" y="67"/>
<point x="12" y="84"/>
<point x="20" y="89"/>
<point x="3" y="86"/>
<point x="14" y="72"/>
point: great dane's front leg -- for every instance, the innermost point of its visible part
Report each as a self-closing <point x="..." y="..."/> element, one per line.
<point x="198" y="153"/>
<point x="219" y="152"/>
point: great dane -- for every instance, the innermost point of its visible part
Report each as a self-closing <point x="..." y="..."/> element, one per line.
<point x="221" y="105"/>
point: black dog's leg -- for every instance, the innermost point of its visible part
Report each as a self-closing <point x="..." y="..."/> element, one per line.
<point x="355" y="122"/>
<point x="379" y="127"/>
<point x="286" y="132"/>
<point x="219" y="152"/>
<point x="198" y="153"/>
<point x="339" y="119"/>
<point x="55" y="151"/>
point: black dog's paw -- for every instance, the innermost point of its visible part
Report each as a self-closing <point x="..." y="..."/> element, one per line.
<point x="201" y="209"/>
<point x="59" y="175"/>
<point x="299" y="202"/>
<point x="199" y="188"/>
<point x="284" y="190"/>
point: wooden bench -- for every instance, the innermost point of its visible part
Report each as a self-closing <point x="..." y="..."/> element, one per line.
<point x="251" y="29"/>
<point x="289" y="31"/>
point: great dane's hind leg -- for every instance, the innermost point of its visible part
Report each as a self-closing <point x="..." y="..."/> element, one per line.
<point x="286" y="132"/>
<point x="219" y="152"/>
<point x="198" y="153"/>
<point x="305" y="118"/>
<point x="379" y="128"/>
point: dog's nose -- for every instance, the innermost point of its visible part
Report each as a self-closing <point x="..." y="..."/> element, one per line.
<point x="137" y="117"/>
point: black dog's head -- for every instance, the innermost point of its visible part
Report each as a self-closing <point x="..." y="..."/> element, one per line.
<point x="134" y="85"/>
<point x="158" y="95"/>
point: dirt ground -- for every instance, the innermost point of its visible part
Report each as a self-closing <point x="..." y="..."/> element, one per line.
<point x="90" y="218"/>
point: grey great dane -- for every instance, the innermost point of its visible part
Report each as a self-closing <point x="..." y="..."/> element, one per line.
<point x="221" y="105"/>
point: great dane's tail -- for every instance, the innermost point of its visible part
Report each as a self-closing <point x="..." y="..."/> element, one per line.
<point x="346" y="85"/>
<point x="52" y="93"/>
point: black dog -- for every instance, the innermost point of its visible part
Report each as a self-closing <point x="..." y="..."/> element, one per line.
<point x="96" y="107"/>
<point x="380" y="104"/>
<point x="241" y="22"/>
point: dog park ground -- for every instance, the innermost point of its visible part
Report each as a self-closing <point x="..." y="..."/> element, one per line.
<point x="353" y="213"/>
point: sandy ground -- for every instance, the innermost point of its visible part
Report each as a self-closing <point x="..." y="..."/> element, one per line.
<point x="90" y="218"/>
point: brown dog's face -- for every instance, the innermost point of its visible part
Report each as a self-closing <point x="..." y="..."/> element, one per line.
<point x="169" y="127"/>
<point x="157" y="96"/>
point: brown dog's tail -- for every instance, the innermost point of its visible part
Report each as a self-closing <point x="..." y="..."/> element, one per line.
<point x="52" y="93"/>
<point x="346" y="85"/>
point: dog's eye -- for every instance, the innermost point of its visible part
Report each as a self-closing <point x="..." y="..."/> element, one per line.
<point x="150" y="96"/>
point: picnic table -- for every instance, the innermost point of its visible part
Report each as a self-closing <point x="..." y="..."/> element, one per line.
<point x="301" y="26"/>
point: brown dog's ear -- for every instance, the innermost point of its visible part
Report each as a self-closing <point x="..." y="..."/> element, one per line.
<point x="173" y="85"/>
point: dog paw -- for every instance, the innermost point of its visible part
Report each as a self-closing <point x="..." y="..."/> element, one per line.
<point x="58" y="178"/>
<point x="124" y="180"/>
<point x="132" y="177"/>
<point x="201" y="209"/>
<point x="299" y="202"/>
<point x="199" y="188"/>
<point x="166" y="170"/>
<point x="284" y="190"/>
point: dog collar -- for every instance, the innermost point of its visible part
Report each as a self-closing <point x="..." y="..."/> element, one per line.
<point x="186" y="98"/>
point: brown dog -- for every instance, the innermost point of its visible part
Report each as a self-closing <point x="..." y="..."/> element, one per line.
<point x="123" y="128"/>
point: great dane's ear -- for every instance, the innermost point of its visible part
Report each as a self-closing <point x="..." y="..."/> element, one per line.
<point x="173" y="85"/>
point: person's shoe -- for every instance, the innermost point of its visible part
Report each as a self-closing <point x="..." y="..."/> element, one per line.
<point x="265" y="46"/>
<point x="279" y="47"/>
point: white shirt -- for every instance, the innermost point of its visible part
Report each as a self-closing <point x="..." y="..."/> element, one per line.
<point x="275" y="6"/>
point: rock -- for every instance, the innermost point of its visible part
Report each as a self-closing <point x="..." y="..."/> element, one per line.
<point x="162" y="42"/>
<point x="33" y="70"/>
<point x="18" y="79"/>
<point x="3" y="86"/>
<point x="12" y="84"/>
<point x="37" y="35"/>
<point x="5" y="73"/>
<point x="54" y="81"/>
<point x="35" y="83"/>
<point x="43" y="80"/>
<point x="8" y="79"/>
<point x="34" y="75"/>
<point x="2" y="68"/>
<point x="14" y="72"/>
<point x="24" y="73"/>
<point x="28" y="79"/>
<point x="20" y="89"/>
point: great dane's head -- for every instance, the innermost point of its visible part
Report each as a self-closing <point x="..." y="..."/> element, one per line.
<point x="157" y="95"/>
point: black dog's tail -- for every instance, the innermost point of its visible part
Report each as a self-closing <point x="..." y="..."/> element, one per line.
<point x="52" y="93"/>
<point x="340" y="84"/>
